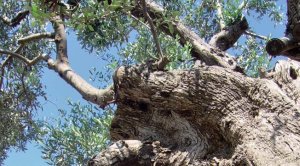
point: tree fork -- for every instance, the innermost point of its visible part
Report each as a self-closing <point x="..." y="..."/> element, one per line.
<point x="200" y="49"/>
<point x="101" y="97"/>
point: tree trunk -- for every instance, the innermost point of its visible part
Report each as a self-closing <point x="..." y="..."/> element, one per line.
<point x="206" y="115"/>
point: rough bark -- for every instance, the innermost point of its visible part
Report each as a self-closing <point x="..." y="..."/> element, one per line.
<point x="293" y="25"/>
<point x="205" y="116"/>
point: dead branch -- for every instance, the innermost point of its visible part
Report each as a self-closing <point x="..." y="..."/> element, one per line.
<point x="256" y="35"/>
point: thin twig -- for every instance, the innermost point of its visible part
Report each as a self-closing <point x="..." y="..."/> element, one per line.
<point x="22" y="58"/>
<point x="220" y="14"/>
<point x="1" y="78"/>
<point x="5" y="62"/>
<point x="136" y="19"/>
<point x="152" y="28"/>
<point x="256" y="35"/>
<point x="19" y="48"/>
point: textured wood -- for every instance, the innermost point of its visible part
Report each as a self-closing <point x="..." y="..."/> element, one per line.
<point x="211" y="115"/>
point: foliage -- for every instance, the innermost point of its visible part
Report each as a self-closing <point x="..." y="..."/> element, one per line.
<point x="143" y="49"/>
<point x="78" y="135"/>
<point x="99" y="26"/>
<point x="20" y="85"/>
<point x="254" y="57"/>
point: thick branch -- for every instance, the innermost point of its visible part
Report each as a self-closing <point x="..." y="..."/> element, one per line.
<point x="229" y="35"/>
<point x="289" y="45"/>
<point x="60" y="40"/>
<point x="101" y="97"/>
<point x="36" y="36"/>
<point x="284" y="46"/>
<point x="200" y="49"/>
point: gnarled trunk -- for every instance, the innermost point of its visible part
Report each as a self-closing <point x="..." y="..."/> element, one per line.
<point x="205" y="115"/>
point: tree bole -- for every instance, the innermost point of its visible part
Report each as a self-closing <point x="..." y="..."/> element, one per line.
<point x="206" y="115"/>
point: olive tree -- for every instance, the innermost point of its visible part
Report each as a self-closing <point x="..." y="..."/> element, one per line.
<point x="181" y="97"/>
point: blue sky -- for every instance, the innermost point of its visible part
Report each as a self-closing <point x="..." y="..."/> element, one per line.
<point x="58" y="91"/>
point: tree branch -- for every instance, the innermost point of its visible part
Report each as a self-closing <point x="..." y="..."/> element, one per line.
<point x="284" y="46"/>
<point x="22" y="43"/>
<point x="163" y="61"/>
<point x="60" y="40"/>
<point x="200" y="49"/>
<point x="101" y="97"/>
<point x="5" y="62"/>
<point x="229" y="35"/>
<point x="18" y="56"/>
<point x="256" y="35"/>
<point x="152" y="28"/>
<point x="36" y="36"/>
<point x="289" y="45"/>
<point x="22" y="58"/>
<point x="16" y="20"/>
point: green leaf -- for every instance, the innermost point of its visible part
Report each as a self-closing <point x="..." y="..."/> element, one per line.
<point x="171" y="28"/>
<point x="90" y="28"/>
